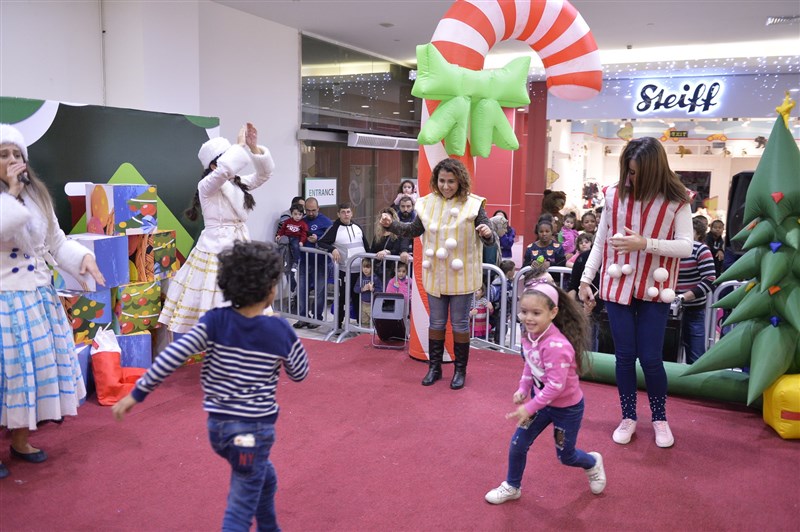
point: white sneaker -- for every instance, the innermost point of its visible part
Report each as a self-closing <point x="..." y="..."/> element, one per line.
<point x="624" y="432"/>
<point x="664" y="436"/>
<point x="597" y="475"/>
<point x="504" y="492"/>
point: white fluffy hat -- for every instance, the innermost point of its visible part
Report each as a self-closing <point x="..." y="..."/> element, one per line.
<point x="212" y="149"/>
<point x="11" y="135"/>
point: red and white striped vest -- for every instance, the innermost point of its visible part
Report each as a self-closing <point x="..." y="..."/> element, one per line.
<point x="653" y="219"/>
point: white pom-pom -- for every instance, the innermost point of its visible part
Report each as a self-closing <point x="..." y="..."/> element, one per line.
<point x="627" y="269"/>
<point x="457" y="264"/>
<point x="450" y="243"/>
<point x="454" y="211"/>
<point x="660" y="275"/>
<point x="651" y="292"/>
<point x="442" y="253"/>
<point x="426" y="264"/>
<point x="433" y="228"/>
<point x="615" y="271"/>
<point x="429" y="252"/>
<point x="668" y="295"/>
<point x="617" y="235"/>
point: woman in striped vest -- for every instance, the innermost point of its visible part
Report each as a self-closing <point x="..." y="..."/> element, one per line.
<point x="644" y="231"/>
<point x="454" y="229"/>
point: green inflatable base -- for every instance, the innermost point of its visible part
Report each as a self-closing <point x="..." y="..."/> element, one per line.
<point x="722" y="385"/>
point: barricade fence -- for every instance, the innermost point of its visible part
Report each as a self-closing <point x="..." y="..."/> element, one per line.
<point x="382" y="268"/>
<point x="309" y="293"/>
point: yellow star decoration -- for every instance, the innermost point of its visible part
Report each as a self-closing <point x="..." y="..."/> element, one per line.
<point x="785" y="108"/>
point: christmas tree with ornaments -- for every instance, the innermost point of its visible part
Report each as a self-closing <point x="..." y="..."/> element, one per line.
<point x="765" y="310"/>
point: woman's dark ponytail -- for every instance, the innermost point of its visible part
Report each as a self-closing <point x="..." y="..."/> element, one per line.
<point x="193" y="212"/>
<point x="249" y="201"/>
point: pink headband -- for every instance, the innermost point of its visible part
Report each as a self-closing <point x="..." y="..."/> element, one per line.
<point x="546" y="289"/>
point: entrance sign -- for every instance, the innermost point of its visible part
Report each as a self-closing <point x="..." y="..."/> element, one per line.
<point x="324" y="189"/>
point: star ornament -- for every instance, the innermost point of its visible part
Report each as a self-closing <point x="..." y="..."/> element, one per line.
<point x="471" y="101"/>
<point x="785" y="109"/>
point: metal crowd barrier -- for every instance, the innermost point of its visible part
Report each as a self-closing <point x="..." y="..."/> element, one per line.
<point x="350" y="328"/>
<point x="711" y="313"/>
<point x="560" y="276"/>
<point x="288" y="299"/>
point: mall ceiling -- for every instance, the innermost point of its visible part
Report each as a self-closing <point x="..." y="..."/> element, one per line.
<point x="393" y="28"/>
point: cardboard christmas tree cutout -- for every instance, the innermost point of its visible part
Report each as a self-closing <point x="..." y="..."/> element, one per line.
<point x="766" y="310"/>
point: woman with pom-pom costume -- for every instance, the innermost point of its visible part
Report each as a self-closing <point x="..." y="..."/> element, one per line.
<point x="40" y="378"/>
<point x="644" y="231"/>
<point x="226" y="202"/>
<point x="454" y="228"/>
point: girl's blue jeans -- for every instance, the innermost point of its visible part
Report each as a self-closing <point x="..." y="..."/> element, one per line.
<point x="638" y="331"/>
<point x="566" y="424"/>
<point x="246" y="446"/>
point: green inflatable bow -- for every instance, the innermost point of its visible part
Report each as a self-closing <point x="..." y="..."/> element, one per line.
<point x="470" y="100"/>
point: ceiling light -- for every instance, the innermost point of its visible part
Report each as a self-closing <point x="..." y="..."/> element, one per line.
<point x="771" y="21"/>
<point x="365" y="106"/>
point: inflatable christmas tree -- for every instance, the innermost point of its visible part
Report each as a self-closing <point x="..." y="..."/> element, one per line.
<point x="766" y="309"/>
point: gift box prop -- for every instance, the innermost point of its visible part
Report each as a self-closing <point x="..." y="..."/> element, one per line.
<point x="111" y="254"/>
<point x="84" y="353"/>
<point x="121" y="209"/>
<point x="152" y="256"/>
<point x="137" y="306"/>
<point x="782" y="407"/>
<point x="88" y="312"/>
<point x="137" y="349"/>
<point x="112" y="381"/>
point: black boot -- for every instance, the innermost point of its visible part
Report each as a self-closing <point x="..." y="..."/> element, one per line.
<point x="435" y="355"/>
<point x="461" y="348"/>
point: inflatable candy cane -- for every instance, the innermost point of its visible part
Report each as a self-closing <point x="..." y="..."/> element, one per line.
<point x="466" y="33"/>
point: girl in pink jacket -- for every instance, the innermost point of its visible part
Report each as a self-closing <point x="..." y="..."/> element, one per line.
<point x="549" y="392"/>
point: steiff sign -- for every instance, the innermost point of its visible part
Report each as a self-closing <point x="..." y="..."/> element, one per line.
<point x="324" y="189"/>
<point x="693" y="98"/>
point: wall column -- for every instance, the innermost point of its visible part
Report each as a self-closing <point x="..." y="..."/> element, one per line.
<point x="536" y="168"/>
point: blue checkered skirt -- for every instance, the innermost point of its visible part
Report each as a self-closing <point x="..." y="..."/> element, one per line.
<point x="40" y="377"/>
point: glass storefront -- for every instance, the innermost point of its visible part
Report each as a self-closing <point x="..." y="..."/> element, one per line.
<point x="349" y="91"/>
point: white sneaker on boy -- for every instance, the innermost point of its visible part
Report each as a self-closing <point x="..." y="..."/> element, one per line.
<point x="623" y="434"/>
<point x="597" y="474"/>
<point x="504" y="492"/>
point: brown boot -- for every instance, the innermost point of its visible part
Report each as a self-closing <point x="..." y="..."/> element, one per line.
<point x="435" y="355"/>
<point x="461" y="348"/>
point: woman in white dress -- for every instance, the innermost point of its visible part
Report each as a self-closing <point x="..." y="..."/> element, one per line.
<point x="226" y="202"/>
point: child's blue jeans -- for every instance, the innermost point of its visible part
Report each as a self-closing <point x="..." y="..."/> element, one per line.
<point x="566" y="424"/>
<point x="246" y="446"/>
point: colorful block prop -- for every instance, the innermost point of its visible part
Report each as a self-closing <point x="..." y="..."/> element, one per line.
<point x="766" y="309"/>
<point x="137" y="306"/>
<point x="111" y="253"/>
<point x="137" y="349"/>
<point x="88" y="312"/>
<point x="83" y="352"/>
<point x="152" y="257"/>
<point x="121" y="209"/>
<point x="782" y="407"/>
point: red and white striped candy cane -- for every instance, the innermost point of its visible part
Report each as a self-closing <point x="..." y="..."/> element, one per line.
<point x="466" y="33"/>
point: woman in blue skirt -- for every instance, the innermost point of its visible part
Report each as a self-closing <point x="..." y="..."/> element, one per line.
<point x="40" y="378"/>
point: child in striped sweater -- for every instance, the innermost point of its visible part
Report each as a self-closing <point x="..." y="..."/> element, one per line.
<point x="479" y="313"/>
<point x="245" y="351"/>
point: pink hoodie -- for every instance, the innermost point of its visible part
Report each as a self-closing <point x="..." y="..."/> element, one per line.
<point x="551" y="369"/>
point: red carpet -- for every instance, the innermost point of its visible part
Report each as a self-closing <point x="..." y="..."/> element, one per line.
<point x="362" y="446"/>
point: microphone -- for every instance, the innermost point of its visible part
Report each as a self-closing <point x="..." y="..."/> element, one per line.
<point x="23" y="178"/>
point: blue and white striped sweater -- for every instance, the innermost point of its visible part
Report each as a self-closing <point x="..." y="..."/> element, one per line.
<point x="241" y="366"/>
